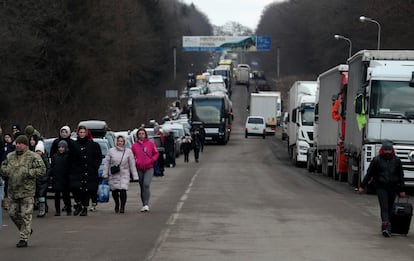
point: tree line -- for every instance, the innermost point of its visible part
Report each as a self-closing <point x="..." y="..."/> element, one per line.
<point x="71" y="60"/>
<point x="304" y="30"/>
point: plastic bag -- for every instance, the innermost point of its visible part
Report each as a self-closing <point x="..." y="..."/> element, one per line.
<point x="103" y="193"/>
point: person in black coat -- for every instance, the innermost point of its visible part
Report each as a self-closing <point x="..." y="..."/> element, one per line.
<point x="386" y="173"/>
<point x="197" y="144"/>
<point x="59" y="173"/>
<point x="186" y="145"/>
<point x="86" y="157"/>
<point x="169" y="149"/>
<point x="7" y="148"/>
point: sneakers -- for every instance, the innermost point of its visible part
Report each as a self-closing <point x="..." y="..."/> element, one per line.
<point x="21" y="243"/>
<point x="386" y="233"/>
<point x="145" y="208"/>
<point x="93" y="208"/>
<point x="386" y="229"/>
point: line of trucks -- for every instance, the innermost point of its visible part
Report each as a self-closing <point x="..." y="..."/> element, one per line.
<point x="337" y="123"/>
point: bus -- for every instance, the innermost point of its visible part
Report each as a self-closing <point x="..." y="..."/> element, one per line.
<point x="213" y="112"/>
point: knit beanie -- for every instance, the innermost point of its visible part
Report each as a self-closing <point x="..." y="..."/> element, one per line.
<point x="40" y="147"/>
<point x="22" y="139"/>
<point x="29" y="130"/>
<point x="387" y="145"/>
<point x="16" y="126"/>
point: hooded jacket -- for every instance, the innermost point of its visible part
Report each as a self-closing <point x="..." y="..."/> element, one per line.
<point x="127" y="166"/>
<point x="386" y="172"/>
<point x="145" y="154"/>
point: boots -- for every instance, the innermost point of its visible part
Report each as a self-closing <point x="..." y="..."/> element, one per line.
<point x="78" y="209"/>
<point x="68" y="211"/>
<point x="84" y="212"/>
<point x="123" y="197"/>
<point x="42" y="209"/>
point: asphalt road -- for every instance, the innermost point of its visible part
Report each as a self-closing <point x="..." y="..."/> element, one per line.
<point x="243" y="201"/>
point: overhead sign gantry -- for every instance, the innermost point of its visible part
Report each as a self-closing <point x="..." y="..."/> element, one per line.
<point x="226" y="43"/>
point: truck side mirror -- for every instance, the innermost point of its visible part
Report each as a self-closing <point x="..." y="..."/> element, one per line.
<point x="359" y="103"/>
<point x="294" y="115"/>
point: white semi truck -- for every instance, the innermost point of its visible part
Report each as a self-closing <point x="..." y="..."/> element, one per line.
<point x="301" y="110"/>
<point x="380" y="106"/>
<point x="268" y="105"/>
<point x="326" y="155"/>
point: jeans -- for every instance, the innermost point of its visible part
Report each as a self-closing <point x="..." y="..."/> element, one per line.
<point x="145" y="178"/>
<point x="386" y="198"/>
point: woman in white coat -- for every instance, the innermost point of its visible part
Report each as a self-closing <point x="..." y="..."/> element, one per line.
<point x="119" y="181"/>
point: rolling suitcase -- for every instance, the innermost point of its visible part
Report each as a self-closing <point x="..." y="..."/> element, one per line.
<point x="401" y="217"/>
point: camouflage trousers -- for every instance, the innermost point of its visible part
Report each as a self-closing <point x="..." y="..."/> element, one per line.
<point x="21" y="212"/>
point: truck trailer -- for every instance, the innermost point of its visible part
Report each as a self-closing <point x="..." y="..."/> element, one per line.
<point x="380" y="106"/>
<point x="301" y="110"/>
<point x="267" y="105"/>
<point x="326" y="155"/>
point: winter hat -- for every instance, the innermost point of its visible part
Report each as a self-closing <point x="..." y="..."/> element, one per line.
<point x="67" y="130"/>
<point x="22" y="139"/>
<point x="63" y="144"/>
<point x="29" y="130"/>
<point x="387" y="145"/>
<point x="40" y="147"/>
<point x="16" y="126"/>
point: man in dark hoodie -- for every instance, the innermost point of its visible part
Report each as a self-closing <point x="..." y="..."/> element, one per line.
<point x="386" y="173"/>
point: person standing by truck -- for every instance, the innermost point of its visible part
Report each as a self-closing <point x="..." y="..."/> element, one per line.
<point x="386" y="173"/>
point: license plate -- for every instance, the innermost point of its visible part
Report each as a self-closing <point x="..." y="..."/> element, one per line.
<point x="211" y="130"/>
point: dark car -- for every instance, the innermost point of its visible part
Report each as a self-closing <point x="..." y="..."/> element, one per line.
<point x="262" y="85"/>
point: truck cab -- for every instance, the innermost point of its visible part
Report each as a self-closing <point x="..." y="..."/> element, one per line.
<point x="302" y="112"/>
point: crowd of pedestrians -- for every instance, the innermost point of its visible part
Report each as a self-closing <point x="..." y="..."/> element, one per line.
<point x="72" y="170"/>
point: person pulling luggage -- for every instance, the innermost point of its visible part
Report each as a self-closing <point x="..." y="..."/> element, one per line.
<point x="387" y="175"/>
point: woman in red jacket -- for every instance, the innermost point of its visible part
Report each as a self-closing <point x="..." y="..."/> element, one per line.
<point x="146" y="154"/>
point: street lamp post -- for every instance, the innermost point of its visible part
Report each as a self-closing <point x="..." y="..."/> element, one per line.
<point x="364" y="18"/>
<point x="341" y="37"/>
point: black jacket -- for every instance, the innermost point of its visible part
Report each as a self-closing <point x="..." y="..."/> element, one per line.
<point x="386" y="173"/>
<point x="85" y="157"/>
<point x="59" y="172"/>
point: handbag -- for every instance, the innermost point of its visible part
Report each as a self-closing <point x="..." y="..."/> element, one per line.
<point x="116" y="168"/>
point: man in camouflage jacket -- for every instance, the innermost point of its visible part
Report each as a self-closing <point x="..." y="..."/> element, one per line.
<point x="22" y="167"/>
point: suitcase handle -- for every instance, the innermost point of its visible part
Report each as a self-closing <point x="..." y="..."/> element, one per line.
<point x="398" y="198"/>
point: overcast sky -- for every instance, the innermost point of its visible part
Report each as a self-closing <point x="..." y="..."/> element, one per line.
<point x="245" y="12"/>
